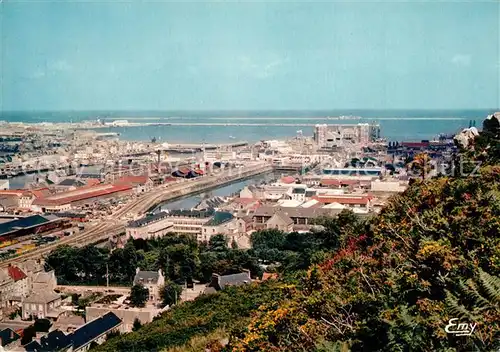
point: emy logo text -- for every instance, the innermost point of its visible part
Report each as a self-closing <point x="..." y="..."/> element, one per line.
<point x="459" y="329"/>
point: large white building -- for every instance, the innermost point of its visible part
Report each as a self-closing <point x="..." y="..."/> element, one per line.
<point x="150" y="226"/>
<point x="328" y="136"/>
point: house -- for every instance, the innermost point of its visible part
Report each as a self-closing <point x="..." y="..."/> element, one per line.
<point x="94" y="331"/>
<point x="6" y="287"/>
<point x="126" y="313"/>
<point x="220" y="223"/>
<point x="247" y="192"/>
<point x="280" y="221"/>
<point x="244" y="224"/>
<point x="7" y="336"/>
<point x="21" y="283"/>
<point x="41" y="305"/>
<point x="44" y="281"/>
<point x="31" y="267"/>
<point x="219" y="282"/>
<point x="28" y="197"/>
<point x="14" y="285"/>
<point x="70" y="322"/>
<point x="152" y="280"/>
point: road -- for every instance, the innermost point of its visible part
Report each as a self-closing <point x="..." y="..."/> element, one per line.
<point x="115" y="223"/>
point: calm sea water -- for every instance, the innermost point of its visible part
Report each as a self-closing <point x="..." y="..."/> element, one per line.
<point x="395" y="124"/>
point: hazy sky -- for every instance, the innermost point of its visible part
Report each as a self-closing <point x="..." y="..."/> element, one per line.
<point x="249" y="55"/>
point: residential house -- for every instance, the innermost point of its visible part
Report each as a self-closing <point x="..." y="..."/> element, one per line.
<point x="247" y="192"/>
<point x="44" y="281"/>
<point x="31" y="267"/>
<point x="152" y="280"/>
<point x="41" y="305"/>
<point x="219" y="282"/>
<point x="28" y="197"/>
<point x="220" y="223"/>
<point x="280" y="221"/>
<point x="14" y="285"/>
<point x="21" y="286"/>
<point x="126" y="313"/>
<point x="244" y="224"/>
<point x="244" y="204"/>
<point x="6" y="287"/>
<point x="56" y="340"/>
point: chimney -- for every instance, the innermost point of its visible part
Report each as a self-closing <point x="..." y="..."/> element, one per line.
<point x="214" y="282"/>
<point x="137" y="270"/>
<point x="246" y="271"/>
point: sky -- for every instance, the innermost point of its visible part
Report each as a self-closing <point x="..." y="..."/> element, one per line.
<point x="268" y="55"/>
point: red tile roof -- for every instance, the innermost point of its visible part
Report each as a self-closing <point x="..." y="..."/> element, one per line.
<point x="92" y="181"/>
<point x="82" y="194"/>
<point x="15" y="273"/>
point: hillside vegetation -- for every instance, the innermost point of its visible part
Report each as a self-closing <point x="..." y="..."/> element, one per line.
<point x="391" y="284"/>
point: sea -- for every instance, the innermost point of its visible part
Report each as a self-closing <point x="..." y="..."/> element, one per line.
<point x="396" y="125"/>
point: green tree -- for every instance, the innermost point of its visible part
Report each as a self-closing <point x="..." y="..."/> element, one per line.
<point x="139" y="295"/>
<point x="42" y="325"/>
<point x="137" y="324"/>
<point x="170" y="293"/>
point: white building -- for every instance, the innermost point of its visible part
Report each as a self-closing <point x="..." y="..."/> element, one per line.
<point x="153" y="281"/>
<point x="328" y="136"/>
<point x="150" y="226"/>
<point x="221" y="223"/>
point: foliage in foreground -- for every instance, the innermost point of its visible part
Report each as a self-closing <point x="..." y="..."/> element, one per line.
<point x="433" y="254"/>
<point x="227" y="309"/>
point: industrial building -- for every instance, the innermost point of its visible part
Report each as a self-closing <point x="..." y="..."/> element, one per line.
<point x="65" y="201"/>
